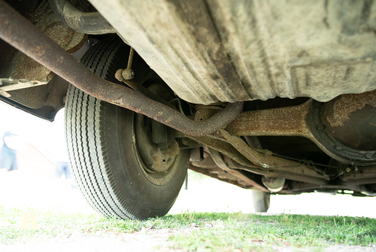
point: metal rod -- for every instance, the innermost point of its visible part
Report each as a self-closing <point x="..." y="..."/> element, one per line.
<point x="130" y="58"/>
<point x="24" y="36"/>
<point x="84" y="22"/>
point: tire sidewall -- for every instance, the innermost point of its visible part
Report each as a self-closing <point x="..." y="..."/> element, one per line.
<point x="144" y="199"/>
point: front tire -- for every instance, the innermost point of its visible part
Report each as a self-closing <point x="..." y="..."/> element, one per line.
<point x="105" y="149"/>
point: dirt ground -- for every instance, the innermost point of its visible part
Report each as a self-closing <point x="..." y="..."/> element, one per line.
<point x="143" y="241"/>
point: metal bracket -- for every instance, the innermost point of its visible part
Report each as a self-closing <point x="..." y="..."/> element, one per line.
<point x="9" y="84"/>
<point x="126" y="74"/>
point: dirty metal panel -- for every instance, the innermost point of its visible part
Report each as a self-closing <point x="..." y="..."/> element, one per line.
<point x="22" y="67"/>
<point x="52" y="102"/>
<point x="351" y="119"/>
<point x="179" y="41"/>
<point x="345" y="127"/>
<point x="209" y="51"/>
<point x="7" y="84"/>
<point x="17" y="68"/>
<point x="317" y="49"/>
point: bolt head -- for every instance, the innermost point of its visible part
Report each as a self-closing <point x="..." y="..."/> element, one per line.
<point x="338" y="148"/>
<point x="369" y="155"/>
<point x="348" y="169"/>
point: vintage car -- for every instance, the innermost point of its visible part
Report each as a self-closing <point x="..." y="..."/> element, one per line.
<point x="274" y="96"/>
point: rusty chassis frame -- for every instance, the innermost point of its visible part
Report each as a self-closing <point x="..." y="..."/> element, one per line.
<point x="221" y="129"/>
<point x="309" y="120"/>
<point x="344" y="128"/>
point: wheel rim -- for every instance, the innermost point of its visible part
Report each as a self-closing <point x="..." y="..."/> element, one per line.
<point x="158" y="165"/>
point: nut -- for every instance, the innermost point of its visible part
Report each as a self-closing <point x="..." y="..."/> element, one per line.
<point x="127" y="74"/>
<point x="118" y="75"/>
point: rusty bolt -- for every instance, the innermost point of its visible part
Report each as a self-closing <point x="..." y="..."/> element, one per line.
<point x="348" y="169"/>
<point x="338" y="148"/>
<point x="369" y="155"/>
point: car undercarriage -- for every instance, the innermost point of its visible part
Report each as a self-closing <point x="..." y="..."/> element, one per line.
<point x="274" y="96"/>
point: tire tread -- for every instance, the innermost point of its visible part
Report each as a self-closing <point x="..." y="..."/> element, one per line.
<point x="90" y="153"/>
<point x="82" y="110"/>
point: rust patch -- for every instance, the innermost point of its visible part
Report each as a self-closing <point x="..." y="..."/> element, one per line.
<point x="346" y="105"/>
<point x="349" y="120"/>
<point x="173" y="151"/>
<point x="205" y="112"/>
<point x="287" y="121"/>
<point x="21" y="67"/>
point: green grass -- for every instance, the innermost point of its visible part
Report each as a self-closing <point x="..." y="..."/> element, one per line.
<point x="202" y="231"/>
<point x="240" y="231"/>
